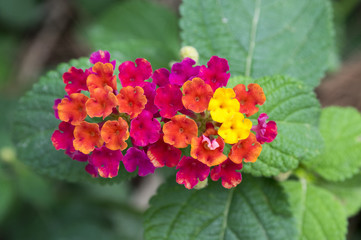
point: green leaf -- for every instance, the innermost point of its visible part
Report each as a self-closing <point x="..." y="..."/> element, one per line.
<point x="261" y="38"/>
<point x="256" y="209"/>
<point x="7" y="195"/>
<point x="341" y="129"/>
<point x="296" y="111"/>
<point x="319" y="215"/>
<point x="34" y="123"/>
<point x="347" y="192"/>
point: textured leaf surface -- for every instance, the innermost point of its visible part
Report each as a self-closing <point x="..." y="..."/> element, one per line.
<point x="347" y="192"/>
<point x="319" y="215"/>
<point x="261" y="38"/>
<point x="34" y="123"/>
<point x="341" y="158"/>
<point x="296" y="111"/>
<point x="256" y="209"/>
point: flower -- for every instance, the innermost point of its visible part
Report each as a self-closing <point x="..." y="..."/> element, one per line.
<point x="131" y="75"/>
<point x="137" y="158"/>
<point x="265" y="132"/>
<point x="249" y="99"/>
<point x="101" y="103"/>
<point x="196" y="95"/>
<point x="75" y="80"/>
<point x="169" y="100"/>
<point x="87" y="137"/>
<point x="179" y="131"/>
<point x="235" y="128"/>
<point x="63" y="138"/>
<point x="161" y="77"/>
<point x="216" y="73"/>
<point x="162" y="154"/>
<point x="131" y="100"/>
<point x="223" y="104"/>
<point x="149" y="92"/>
<point x="72" y="108"/>
<point x="101" y="56"/>
<point x="248" y="149"/>
<point x="115" y="133"/>
<point x="200" y="150"/>
<point x="102" y="76"/>
<point x="227" y="173"/>
<point x="106" y="161"/>
<point x="191" y="171"/>
<point x="183" y="71"/>
<point x="145" y="129"/>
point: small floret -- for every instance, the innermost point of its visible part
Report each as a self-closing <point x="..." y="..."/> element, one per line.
<point x="87" y="137"/>
<point x="115" y="133"/>
<point x="131" y="75"/>
<point x="235" y="128"/>
<point x="248" y="150"/>
<point x="223" y="104"/>
<point x="196" y="95"/>
<point x="72" y="108"/>
<point x="137" y="158"/>
<point x="183" y="71"/>
<point x="265" y="131"/>
<point x="227" y="172"/>
<point x="249" y="99"/>
<point x="191" y="171"/>
<point x="211" y="157"/>
<point x="215" y="74"/>
<point x="179" y="131"/>
<point x="169" y="100"/>
<point x="101" y="103"/>
<point x="106" y="161"/>
<point x="131" y="100"/>
<point x="102" y="76"/>
<point x="145" y="129"/>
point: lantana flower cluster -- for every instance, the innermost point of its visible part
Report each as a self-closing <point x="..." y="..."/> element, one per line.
<point x="147" y="122"/>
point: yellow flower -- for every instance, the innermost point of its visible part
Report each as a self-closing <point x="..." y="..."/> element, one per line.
<point x="235" y="128"/>
<point x="223" y="104"/>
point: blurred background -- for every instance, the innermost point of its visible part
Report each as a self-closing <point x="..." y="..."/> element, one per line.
<point x="37" y="35"/>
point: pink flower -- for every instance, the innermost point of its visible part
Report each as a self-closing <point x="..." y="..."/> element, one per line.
<point x="131" y="75"/>
<point x="75" y="80"/>
<point x="169" y="100"/>
<point x="106" y="161"/>
<point x="137" y="158"/>
<point x="183" y="71"/>
<point x="227" y="173"/>
<point x="91" y="170"/>
<point x="161" y="77"/>
<point x="149" y="92"/>
<point x="101" y="56"/>
<point x="161" y="153"/>
<point x="191" y="171"/>
<point x="145" y="129"/>
<point x="216" y="74"/>
<point x="265" y="132"/>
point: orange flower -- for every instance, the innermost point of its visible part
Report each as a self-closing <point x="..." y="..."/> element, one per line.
<point x="179" y="131"/>
<point x="200" y="150"/>
<point x="87" y="136"/>
<point x="131" y="100"/>
<point x="249" y="99"/>
<point x="103" y="76"/>
<point x="115" y="133"/>
<point x="248" y="149"/>
<point x="196" y="95"/>
<point x="72" y="109"/>
<point x="101" y="103"/>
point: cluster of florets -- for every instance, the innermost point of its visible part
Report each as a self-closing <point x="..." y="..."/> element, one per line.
<point x="154" y="115"/>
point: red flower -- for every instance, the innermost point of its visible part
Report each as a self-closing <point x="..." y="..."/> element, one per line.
<point x="161" y="153"/>
<point x="191" y="171"/>
<point x="106" y="161"/>
<point x="169" y="100"/>
<point x="248" y="149"/>
<point x="75" y="80"/>
<point x="227" y="173"/>
<point x="216" y="74"/>
<point x="249" y="99"/>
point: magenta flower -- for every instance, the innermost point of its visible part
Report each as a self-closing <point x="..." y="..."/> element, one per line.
<point x="55" y="107"/>
<point x="63" y="138"/>
<point x="101" y="56"/>
<point x="169" y="100"/>
<point x="91" y="170"/>
<point x="191" y="171"/>
<point x="145" y="129"/>
<point x="216" y="74"/>
<point x="131" y="75"/>
<point x="149" y="92"/>
<point x="227" y="173"/>
<point x="137" y="158"/>
<point x="265" y="132"/>
<point x="161" y="77"/>
<point x="75" y="80"/>
<point x="106" y="161"/>
<point x="161" y="153"/>
<point x="183" y="71"/>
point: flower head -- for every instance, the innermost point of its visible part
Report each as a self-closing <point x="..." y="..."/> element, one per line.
<point x="249" y="99"/>
<point x="87" y="137"/>
<point x="75" y="80"/>
<point x="179" y="131"/>
<point x="131" y="100"/>
<point x="145" y="129"/>
<point x="102" y="76"/>
<point x="131" y="75"/>
<point x="216" y="73"/>
<point x="196" y="95"/>
<point x="106" y="161"/>
<point x="223" y="104"/>
<point x="201" y="151"/>
<point x="115" y="133"/>
<point x="183" y="71"/>
<point x="235" y="128"/>
<point x="227" y="173"/>
<point x="265" y="132"/>
<point x="137" y="158"/>
<point x="169" y="100"/>
<point x="162" y="154"/>
<point x="191" y="171"/>
<point x="101" y="103"/>
<point x="72" y="108"/>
